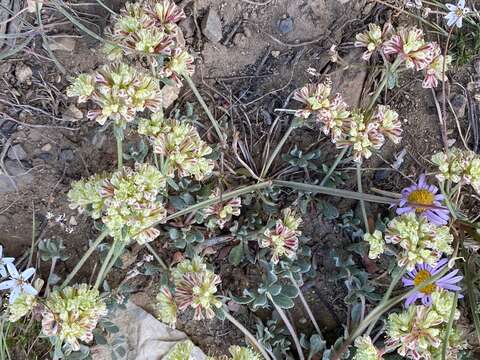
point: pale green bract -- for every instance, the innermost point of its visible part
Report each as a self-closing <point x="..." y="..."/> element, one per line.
<point x="85" y="195"/>
<point x="180" y="351"/>
<point x="243" y="353"/>
<point x="365" y="350"/>
<point x="23" y="304"/>
<point x="377" y="244"/>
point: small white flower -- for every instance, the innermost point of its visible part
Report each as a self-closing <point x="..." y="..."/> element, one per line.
<point x="49" y="215"/>
<point x="456" y="14"/>
<point x="148" y="258"/>
<point x="18" y="282"/>
<point x="4" y="261"/>
<point x="60" y="218"/>
<point x="69" y="230"/>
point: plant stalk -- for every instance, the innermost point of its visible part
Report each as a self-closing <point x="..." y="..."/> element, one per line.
<point x="279" y="146"/>
<point x="199" y="97"/>
<point x="106" y="261"/>
<point x="289" y="326"/>
<point x="449" y="327"/>
<point x="334" y="165"/>
<point x="84" y="258"/>
<point x="362" y="201"/>
<point x="247" y="333"/>
<point x="119" y="152"/>
<point x="156" y="256"/>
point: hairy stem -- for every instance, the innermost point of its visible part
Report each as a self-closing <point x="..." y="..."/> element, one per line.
<point x="334" y="166"/>
<point x="290" y="328"/>
<point x="216" y="126"/>
<point x="106" y="261"/>
<point x="247" y="333"/>
<point x="119" y="152"/>
<point x="84" y="258"/>
<point x="362" y="201"/>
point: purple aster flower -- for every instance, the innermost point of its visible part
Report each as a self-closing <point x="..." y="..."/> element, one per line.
<point x="423" y="199"/>
<point x="423" y="272"/>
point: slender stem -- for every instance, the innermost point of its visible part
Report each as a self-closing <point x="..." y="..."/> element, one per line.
<point x="290" y="328"/>
<point x="472" y="299"/>
<point x="52" y="269"/>
<point x="391" y="69"/>
<point x="30" y="257"/>
<point x="119" y="152"/>
<point x="106" y="261"/>
<point x="387" y="295"/>
<point x="347" y="194"/>
<point x="118" y="251"/>
<point x="443" y="123"/>
<point x="84" y="258"/>
<point x="307" y="307"/>
<point x="247" y="333"/>
<point x="449" y="327"/>
<point x="45" y="42"/>
<point x="362" y="202"/>
<point x="156" y="256"/>
<point x="106" y="7"/>
<point x="214" y="122"/>
<point x="279" y="146"/>
<point x="334" y="165"/>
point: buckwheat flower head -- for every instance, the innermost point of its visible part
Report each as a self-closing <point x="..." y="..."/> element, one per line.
<point x="184" y="151"/>
<point x="389" y="124"/>
<point x="197" y="290"/>
<point x="424" y="200"/>
<point x="364" y="137"/>
<point x="131" y="203"/>
<point x="195" y="265"/>
<point x="422" y="242"/>
<point x="18" y="283"/>
<point x="72" y="314"/>
<point x="3" y="262"/>
<point x="153" y="125"/>
<point x="423" y="272"/>
<point x="243" y="353"/>
<point x="82" y="87"/>
<point x="167" y="12"/>
<point x="315" y="97"/>
<point x="456" y="342"/>
<point x="291" y="220"/>
<point x="456" y="13"/>
<point x="85" y="195"/>
<point x="219" y="214"/>
<point x="365" y="350"/>
<point x="180" y="351"/>
<point x="166" y="307"/>
<point x="410" y="46"/>
<point x="335" y="121"/>
<point x="377" y="244"/>
<point x="372" y="39"/>
<point x="281" y="240"/>
<point x="22" y="305"/>
<point x="178" y="65"/>
<point x="442" y="303"/>
<point x="435" y="70"/>
<point x="120" y="91"/>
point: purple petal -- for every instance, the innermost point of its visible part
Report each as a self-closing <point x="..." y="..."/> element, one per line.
<point x="421" y="181"/>
<point x="404" y="210"/>
<point x="427" y="300"/>
<point x="439" y="197"/>
<point x="439" y="265"/>
<point x="433" y="189"/>
<point x="407" y="282"/>
<point x="411" y="299"/>
<point x="449" y="287"/>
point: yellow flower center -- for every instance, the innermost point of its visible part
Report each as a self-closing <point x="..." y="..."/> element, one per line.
<point x="421" y="197"/>
<point x="422" y="276"/>
<point x="459" y="12"/>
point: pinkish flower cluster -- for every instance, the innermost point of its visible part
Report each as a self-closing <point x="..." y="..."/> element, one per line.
<point x="407" y="46"/>
<point x="363" y="131"/>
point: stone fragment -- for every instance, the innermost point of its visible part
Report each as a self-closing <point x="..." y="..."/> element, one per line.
<point x="212" y="26"/>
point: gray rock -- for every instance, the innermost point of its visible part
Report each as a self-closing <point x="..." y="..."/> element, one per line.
<point x="45" y="156"/>
<point x="16" y="152"/>
<point x="188" y="27"/>
<point x="7" y="128"/>
<point x="212" y="26"/>
<point x="67" y="155"/>
<point x="19" y="177"/>
<point x="23" y="73"/>
<point x="459" y="104"/>
<point x="285" y="25"/>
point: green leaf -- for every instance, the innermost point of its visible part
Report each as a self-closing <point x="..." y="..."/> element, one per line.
<point x="275" y="289"/>
<point x="236" y="255"/>
<point x="289" y="291"/>
<point x="219" y="313"/>
<point x="317" y="346"/>
<point x="260" y="301"/>
<point x="328" y="211"/>
<point x="283" y="301"/>
<point x="242" y="300"/>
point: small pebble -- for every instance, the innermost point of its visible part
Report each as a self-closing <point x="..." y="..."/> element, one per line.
<point x="16" y="152"/>
<point x="46" y="148"/>
<point x="285" y="25"/>
<point x="67" y="155"/>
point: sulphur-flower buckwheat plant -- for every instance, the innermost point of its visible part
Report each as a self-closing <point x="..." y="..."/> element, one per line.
<point x="458" y="166"/>
<point x="180" y="351"/>
<point x="365" y="350"/>
<point x="22" y="305"/>
<point x="283" y="240"/>
<point x="376" y="242"/>
<point x="219" y="214"/>
<point x="417" y="331"/>
<point x="85" y="195"/>
<point x="195" y="288"/>
<point x="180" y="145"/>
<point x="146" y="27"/>
<point x="421" y="241"/>
<point x="118" y="92"/>
<point x="179" y="64"/>
<point x="372" y="39"/>
<point x="71" y="314"/>
<point x="243" y="353"/>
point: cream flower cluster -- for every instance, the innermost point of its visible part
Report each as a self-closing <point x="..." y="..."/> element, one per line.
<point x="407" y="46"/>
<point x="362" y="131"/>
<point x="127" y="201"/>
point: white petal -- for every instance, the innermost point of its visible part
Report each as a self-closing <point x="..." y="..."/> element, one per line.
<point x="459" y="22"/>
<point x="8" y="260"/>
<point x="12" y="270"/>
<point x="451" y="7"/>
<point x="29" y="289"/>
<point x="461" y="3"/>
<point x="14" y="294"/>
<point x="1" y="251"/>
<point x="3" y="271"/>
<point x="27" y="274"/>
<point x="7" y="284"/>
